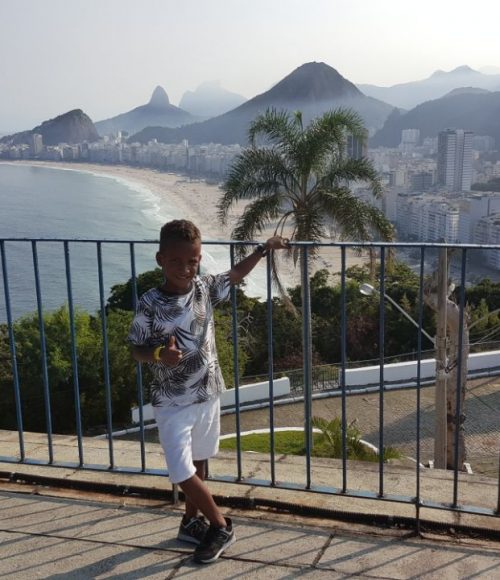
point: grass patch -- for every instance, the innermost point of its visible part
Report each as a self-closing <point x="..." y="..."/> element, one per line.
<point x="285" y="442"/>
<point x="293" y="443"/>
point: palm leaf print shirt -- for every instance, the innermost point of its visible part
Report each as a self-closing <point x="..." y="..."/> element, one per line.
<point x="189" y="318"/>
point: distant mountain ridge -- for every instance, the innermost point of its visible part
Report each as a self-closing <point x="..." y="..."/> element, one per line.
<point x="209" y="100"/>
<point x="478" y="112"/>
<point x="409" y="95"/>
<point x="157" y="112"/>
<point x="71" y="127"/>
<point x="312" y="88"/>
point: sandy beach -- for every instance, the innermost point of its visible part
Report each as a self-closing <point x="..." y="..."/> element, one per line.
<point x="196" y="200"/>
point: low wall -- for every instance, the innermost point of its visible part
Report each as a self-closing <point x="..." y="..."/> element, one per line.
<point x="247" y="394"/>
<point x="407" y="371"/>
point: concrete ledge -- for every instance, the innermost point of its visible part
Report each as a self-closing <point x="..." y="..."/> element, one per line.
<point x="436" y="486"/>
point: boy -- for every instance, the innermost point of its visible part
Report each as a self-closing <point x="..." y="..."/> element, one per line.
<point x="173" y="330"/>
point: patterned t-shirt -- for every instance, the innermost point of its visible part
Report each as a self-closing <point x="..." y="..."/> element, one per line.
<point x="188" y="317"/>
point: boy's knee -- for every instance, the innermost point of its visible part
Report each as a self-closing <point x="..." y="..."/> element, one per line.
<point x="188" y="481"/>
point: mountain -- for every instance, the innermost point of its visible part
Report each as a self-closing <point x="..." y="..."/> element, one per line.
<point x="467" y="91"/>
<point x="312" y="88"/>
<point x="210" y="100"/>
<point x="158" y="112"/>
<point x="71" y="127"/>
<point x="409" y="95"/>
<point x="478" y="112"/>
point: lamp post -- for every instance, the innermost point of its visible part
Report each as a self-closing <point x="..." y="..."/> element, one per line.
<point x="439" y="344"/>
<point x="368" y="290"/>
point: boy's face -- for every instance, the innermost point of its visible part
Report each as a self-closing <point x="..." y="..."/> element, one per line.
<point x="179" y="262"/>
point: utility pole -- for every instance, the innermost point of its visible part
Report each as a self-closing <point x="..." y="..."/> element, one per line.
<point x="440" y="443"/>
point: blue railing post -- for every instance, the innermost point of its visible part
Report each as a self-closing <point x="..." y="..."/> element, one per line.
<point x="13" y="354"/>
<point x="458" y="386"/>
<point x="43" y="354"/>
<point x="236" y="367"/>
<point x="107" y="378"/>
<point x="419" y="385"/>
<point x="381" y="357"/>
<point x="343" y="358"/>
<point x="74" y="356"/>
<point x="138" y="366"/>
<point x="307" y="358"/>
<point x="270" y="366"/>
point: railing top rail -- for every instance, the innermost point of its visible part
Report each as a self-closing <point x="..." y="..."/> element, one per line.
<point x="378" y="244"/>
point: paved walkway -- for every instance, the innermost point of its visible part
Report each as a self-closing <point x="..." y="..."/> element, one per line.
<point x="78" y="539"/>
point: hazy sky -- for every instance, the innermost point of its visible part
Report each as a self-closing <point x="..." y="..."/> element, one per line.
<point x="107" y="56"/>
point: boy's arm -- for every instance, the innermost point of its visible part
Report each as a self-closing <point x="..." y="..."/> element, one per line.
<point x="241" y="269"/>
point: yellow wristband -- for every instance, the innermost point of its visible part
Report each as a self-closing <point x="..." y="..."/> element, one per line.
<point x="157" y="352"/>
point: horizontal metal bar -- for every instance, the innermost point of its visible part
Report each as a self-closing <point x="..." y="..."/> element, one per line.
<point x="293" y="244"/>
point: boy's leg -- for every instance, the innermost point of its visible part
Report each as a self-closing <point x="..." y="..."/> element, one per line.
<point x="199" y="496"/>
<point x="191" y="510"/>
<point x="187" y="434"/>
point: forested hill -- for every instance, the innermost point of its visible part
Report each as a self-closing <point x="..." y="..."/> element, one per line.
<point x="71" y="127"/>
<point x="478" y="112"/>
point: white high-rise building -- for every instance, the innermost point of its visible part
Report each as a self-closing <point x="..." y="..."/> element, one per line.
<point x="455" y="159"/>
<point x="410" y="138"/>
<point x="487" y="231"/>
<point x="428" y="218"/>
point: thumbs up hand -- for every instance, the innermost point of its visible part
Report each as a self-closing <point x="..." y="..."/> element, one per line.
<point x="171" y="355"/>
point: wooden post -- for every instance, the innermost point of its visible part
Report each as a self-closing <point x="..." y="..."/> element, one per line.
<point x="440" y="443"/>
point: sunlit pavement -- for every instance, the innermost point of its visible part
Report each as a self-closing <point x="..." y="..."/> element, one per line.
<point x="106" y="537"/>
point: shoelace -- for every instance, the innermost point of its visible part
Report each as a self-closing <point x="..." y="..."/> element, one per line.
<point x="216" y="536"/>
<point x="198" y="525"/>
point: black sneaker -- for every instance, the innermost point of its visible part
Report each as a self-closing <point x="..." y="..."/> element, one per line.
<point x="194" y="531"/>
<point x="216" y="541"/>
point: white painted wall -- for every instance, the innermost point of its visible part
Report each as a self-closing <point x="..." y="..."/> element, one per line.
<point x="407" y="371"/>
<point x="247" y="393"/>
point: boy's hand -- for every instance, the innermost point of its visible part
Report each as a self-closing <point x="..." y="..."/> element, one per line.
<point x="277" y="243"/>
<point x="171" y="355"/>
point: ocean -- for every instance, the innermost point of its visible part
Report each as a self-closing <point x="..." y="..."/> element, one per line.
<point x="47" y="202"/>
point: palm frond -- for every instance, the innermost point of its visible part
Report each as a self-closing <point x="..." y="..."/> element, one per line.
<point x="309" y="223"/>
<point x="356" y="219"/>
<point x="326" y="136"/>
<point x="255" y="217"/>
<point x="348" y="170"/>
<point x="278" y="127"/>
<point x="255" y="173"/>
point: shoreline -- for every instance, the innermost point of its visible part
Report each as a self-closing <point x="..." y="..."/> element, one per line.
<point x="194" y="200"/>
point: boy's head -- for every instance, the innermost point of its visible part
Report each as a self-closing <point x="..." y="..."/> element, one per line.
<point x="179" y="255"/>
<point x="178" y="231"/>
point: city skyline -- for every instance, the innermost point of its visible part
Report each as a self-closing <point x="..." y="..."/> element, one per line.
<point x="107" y="57"/>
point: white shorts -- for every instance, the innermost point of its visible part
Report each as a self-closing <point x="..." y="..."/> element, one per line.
<point x="187" y="434"/>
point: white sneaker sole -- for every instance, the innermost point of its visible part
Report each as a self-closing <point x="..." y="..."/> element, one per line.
<point x="187" y="538"/>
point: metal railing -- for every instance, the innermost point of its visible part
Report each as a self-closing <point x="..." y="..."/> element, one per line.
<point x="306" y="379"/>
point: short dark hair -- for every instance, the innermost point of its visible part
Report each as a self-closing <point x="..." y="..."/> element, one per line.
<point x="178" y="231"/>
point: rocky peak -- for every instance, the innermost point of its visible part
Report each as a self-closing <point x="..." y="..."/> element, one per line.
<point x="159" y="98"/>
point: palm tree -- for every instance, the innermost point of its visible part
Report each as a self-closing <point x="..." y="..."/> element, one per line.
<point x="298" y="179"/>
<point x="331" y="439"/>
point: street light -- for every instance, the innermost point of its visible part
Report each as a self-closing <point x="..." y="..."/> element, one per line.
<point x="439" y="344"/>
<point x="368" y="290"/>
